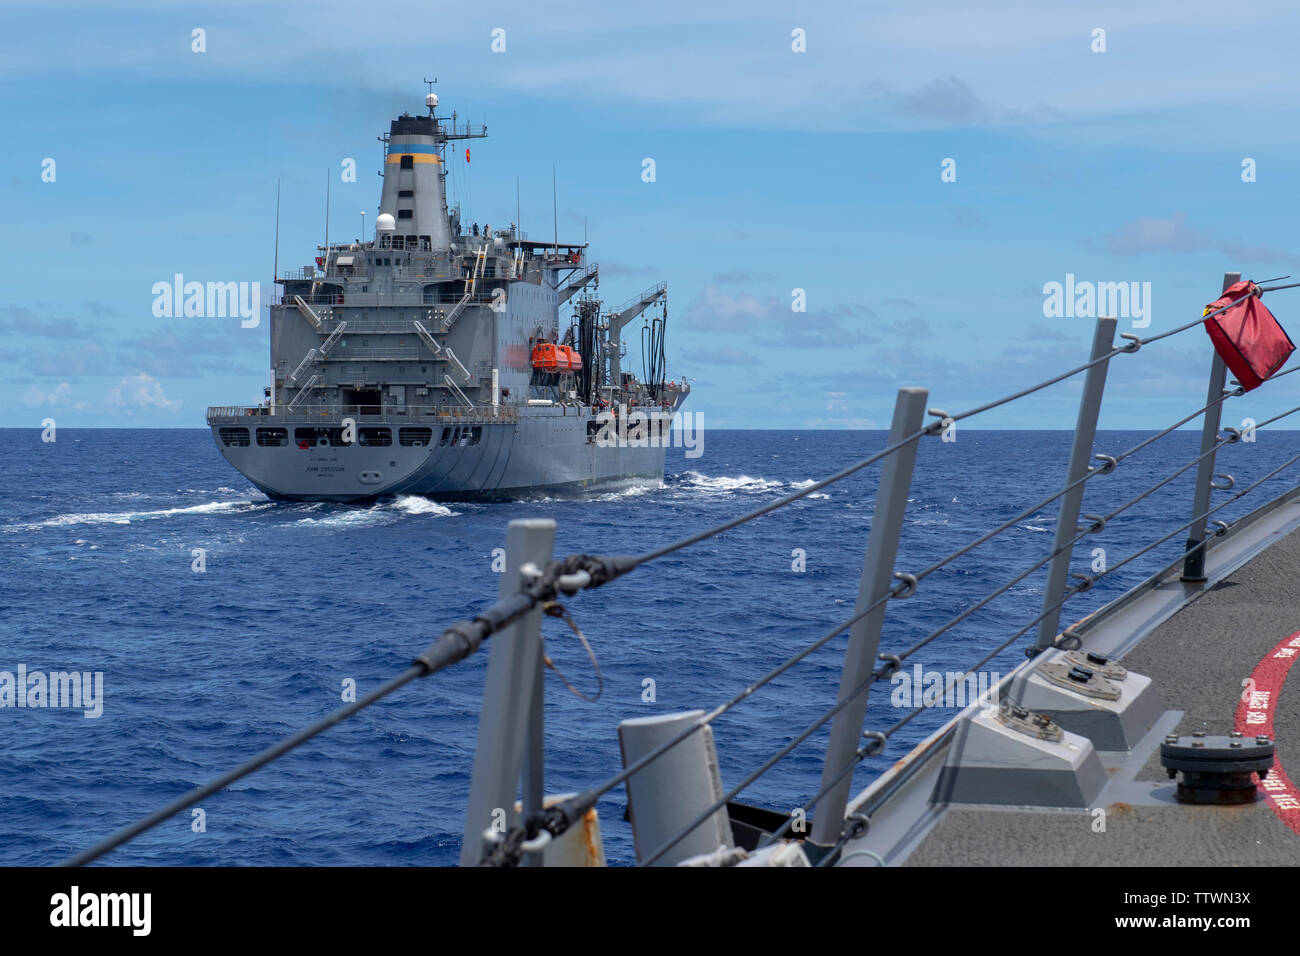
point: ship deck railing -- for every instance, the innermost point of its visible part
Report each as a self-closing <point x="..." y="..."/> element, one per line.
<point x="329" y="414"/>
<point x="511" y="741"/>
<point x="361" y="300"/>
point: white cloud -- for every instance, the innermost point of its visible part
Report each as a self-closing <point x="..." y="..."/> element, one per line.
<point x="60" y="397"/>
<point x="1148" y="234"/>
<point x="716" y="311"/>
<point x="141" y="391"/>
<point x="730" y="62"/>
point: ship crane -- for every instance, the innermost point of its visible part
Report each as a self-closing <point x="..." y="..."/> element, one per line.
<point x="619" y="319"/>
<point x="575" y="284"/>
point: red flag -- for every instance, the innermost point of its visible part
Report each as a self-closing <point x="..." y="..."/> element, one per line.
<point x="467" y="154"/>
<point x="1251" y="342"/>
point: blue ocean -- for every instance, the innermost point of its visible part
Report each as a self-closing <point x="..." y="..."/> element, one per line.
<point x="203" y="668"/>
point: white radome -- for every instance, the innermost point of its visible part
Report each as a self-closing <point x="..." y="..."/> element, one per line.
<point x="431" y="100"/>
<point x="385" y="222"/>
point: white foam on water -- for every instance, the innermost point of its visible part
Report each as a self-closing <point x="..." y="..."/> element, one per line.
<point x="631" y="491"/>
<point x="353" y="518"/>
<point x="127" y="517"/>
<point x="418" y="505"/>
<point x="799" y="485"/>
<point x="694" y="481"/>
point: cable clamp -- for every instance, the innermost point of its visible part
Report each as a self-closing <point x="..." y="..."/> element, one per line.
<point x="1108" y="464"/>
<point x="892" y="664"/>
<point x="909" y="585"/>
<point x="1069" y="640"/>
<point x="856" y="826"/>
<point x="1096" y="524"/>
<point x="875" y="743"/>
<point x="944" y="421"/>
<point x="537" y="843"/>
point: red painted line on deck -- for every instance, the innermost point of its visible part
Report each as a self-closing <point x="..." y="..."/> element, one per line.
<point x="1255" y="716"/>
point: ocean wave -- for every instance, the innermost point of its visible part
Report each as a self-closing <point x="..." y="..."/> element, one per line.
<point x="127" y="517"/>
<point x="354" y="518"/>
<point x="631" y="491"/>
<point x="815" y="496"/>
<point x="694" y="481"/>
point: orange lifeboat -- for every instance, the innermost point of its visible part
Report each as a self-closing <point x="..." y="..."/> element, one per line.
<point x="546" y="358"/>
<point x="574" y="359"/>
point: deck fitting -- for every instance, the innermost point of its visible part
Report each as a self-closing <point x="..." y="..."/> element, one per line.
<point x="1217" y="769"/>
<point x="1090" y="695"/>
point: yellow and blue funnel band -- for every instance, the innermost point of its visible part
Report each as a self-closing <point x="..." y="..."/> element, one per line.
<point x="419" y="153"/>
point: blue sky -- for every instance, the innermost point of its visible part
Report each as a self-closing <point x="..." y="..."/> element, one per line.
<point x="775" y="171"/>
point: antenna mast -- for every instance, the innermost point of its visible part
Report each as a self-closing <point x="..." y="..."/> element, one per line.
<point x="275" y="269"/>
<point x="429" y="83"/>
<point x="327" y="221"/>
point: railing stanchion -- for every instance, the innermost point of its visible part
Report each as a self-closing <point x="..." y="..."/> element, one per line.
<point x="1194" y="563"/>
<point x="864" y="637"/>
<point x="534" y="787"/>
<point x="508" y="693"/>
<point x="1067" y="523"/>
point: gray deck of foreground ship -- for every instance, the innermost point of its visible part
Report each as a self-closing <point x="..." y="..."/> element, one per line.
<point x="1198" y="659"/>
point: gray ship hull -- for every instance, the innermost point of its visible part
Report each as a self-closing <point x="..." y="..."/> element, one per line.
<point x="540" y="451"/>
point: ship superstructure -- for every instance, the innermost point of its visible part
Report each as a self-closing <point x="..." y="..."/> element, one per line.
<point x="432" y="360"/>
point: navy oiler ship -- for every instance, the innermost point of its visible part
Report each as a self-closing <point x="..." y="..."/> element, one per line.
<point x="430" y="359"/>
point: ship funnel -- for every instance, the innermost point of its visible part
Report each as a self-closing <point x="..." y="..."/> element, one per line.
<point x="414" y="198"/>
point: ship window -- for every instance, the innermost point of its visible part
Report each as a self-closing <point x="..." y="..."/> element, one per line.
<point x="475" y="434"/>
<point x="417" y="437"/>
<point x="446" y="436"/>
<point x="405" y="213"/>
<point x="234" y="436"/>
<point x="408" y="162"/>
<point x="270" y="437"/>
<point x="405" y="193"/>
<point x="374" y="436"/>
